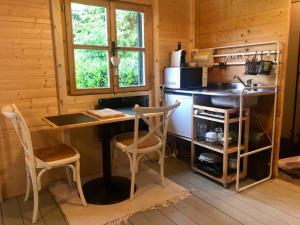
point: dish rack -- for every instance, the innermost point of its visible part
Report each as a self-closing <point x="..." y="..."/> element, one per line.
<point x="224" y="150"/>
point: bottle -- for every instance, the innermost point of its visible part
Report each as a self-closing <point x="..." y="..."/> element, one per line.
<point x="183" y="54"/>
<point x="178" y="45"/>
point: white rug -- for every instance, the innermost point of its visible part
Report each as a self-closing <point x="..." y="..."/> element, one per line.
<point x="150" y="194"/>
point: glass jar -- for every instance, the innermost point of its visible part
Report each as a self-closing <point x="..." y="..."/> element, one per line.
<point x="219" y="134"/>
<point x="201" y="131"/>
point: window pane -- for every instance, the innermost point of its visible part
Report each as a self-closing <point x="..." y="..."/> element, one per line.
<point x="91" y="68"/>
<point x="131" y="69"/>
<point x="130" y="28"/>
<point x="89" y="24"/>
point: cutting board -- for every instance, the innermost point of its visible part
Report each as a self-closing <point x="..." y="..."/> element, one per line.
<point x="106" y="113"/>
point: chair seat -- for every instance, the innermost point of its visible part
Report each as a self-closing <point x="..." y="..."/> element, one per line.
<point x="57" y="153"/>
<point x="126" y="139"/>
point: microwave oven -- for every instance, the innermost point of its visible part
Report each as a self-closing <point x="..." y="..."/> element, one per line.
<point x="185" y="77"/>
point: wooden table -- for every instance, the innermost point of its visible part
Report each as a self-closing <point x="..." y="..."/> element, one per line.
<point x="107" y="189"/>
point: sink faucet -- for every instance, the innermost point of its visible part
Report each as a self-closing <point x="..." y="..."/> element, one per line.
<point x="248" y="84"/>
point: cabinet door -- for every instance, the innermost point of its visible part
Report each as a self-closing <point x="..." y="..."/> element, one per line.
<point x="181" y="121"/>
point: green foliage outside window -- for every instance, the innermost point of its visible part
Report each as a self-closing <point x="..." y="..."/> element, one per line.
<point x="91" y="65"/>
<point x="91" y="68"/>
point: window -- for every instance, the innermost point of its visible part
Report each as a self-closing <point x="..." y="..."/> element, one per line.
<point x="97" y="29"/>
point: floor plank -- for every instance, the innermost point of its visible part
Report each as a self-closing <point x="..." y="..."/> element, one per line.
<point x="289" y="185"/>
<point x="268" y="209"/>
<point x="213" y="191"/>
<point x="50" y="210"/>
<point x="177" y="216"/>
<point x="212" y="212"/>
<point x="193" y="213"/>
<point x="274" y="202"/>
<point x="233" y="201"/>
<point x="140" y="219"/>
<point x="274" y="199"/>
<point x="11" y="212"/>
<point x="233" y="212"/>
<point x="157" y="218"/>
<point x="26" y="209"/>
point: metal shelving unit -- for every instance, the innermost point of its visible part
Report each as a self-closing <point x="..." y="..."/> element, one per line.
<point x="235" y="52"/>
<point x="225" y="117"/>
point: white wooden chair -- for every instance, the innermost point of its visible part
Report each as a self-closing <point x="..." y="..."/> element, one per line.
<point x="38" y="161"/>
<point x="138" y="143"/>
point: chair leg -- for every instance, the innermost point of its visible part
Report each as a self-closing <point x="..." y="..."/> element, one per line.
<point x="28" y="188"/>
<point x="132" y="185"/>
<point x="35" y="197"/>
<point x="78" y="181"/>
<point x="68" y="175"/>
<point x="162" y="173"/>
<point x="162" y="170"/>
<point x="133" y="173"/>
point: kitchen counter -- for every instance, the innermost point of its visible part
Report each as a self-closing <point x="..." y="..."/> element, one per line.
<point x="224" y="89"/>
<point x="224" y="95"/>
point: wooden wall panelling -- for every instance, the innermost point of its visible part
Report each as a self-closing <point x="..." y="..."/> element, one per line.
<point x="27" y="78"/>
<point x="223" y="23"/>
<point x="156" y="53"/>
<point x="292" y="61"/>
<point x="176" y="23"/>
<point x="29" y="69"/>
<point x="59" y="55"/>
<point x="297" y="122"/>
<point x="192" y="24"/>
<point x="237" y="22"/>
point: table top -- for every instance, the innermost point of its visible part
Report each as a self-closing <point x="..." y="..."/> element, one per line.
<point x="76" y="120"/>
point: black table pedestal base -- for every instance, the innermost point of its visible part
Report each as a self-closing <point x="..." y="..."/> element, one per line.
<point x="100" y="193"/>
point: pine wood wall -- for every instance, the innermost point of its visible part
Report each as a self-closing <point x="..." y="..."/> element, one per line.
<point x="27" y="66"/>
<point x="27" y="78"/>
<point x="176" y="23"/>
<point x="231" y="22"/>
<point x="291" y="77"/>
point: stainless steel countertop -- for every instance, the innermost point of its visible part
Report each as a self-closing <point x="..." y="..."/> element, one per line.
<point x="225" y="90"/>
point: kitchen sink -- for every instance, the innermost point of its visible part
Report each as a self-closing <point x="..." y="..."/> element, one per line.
<point x="234" y="101"/>
<point x="228" y="95"/>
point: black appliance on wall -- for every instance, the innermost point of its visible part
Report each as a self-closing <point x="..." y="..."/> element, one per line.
<point x="124" y="104"/>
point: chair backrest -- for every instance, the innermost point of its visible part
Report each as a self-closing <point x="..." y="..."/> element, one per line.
<point x="161" y="125"/>
<point x="11" y="112"/>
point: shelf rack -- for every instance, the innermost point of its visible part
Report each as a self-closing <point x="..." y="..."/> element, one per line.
<point x="217" y="147"/>
<point x="226" y="117"/>
<point x="243" y="49"/>
<point x="237" y="54"/>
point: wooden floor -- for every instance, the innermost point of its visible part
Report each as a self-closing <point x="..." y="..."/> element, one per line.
<point x="273" y="202"/>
